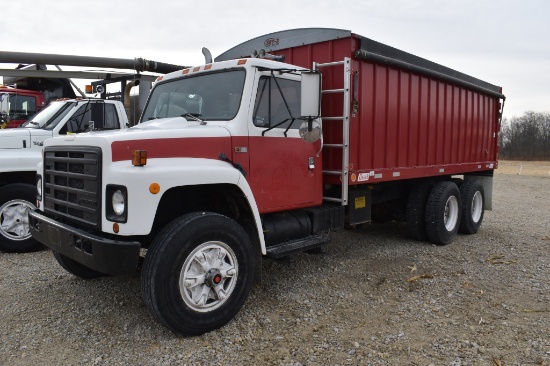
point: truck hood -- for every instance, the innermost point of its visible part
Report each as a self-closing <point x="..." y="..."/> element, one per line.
<point x="19" y="138"/>
<point x="163" y="138"/>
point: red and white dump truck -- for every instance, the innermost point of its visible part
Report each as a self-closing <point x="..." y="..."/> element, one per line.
<point x="233" y="163"/>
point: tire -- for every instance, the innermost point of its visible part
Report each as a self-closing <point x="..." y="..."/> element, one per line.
<point x="185" y="288"/>
<point x="473" y="206"/>
<point x="15" y="202"/>
<point x="76" y="268"/>
<point x="415" y="214"/>
<point x="443" y="213"/>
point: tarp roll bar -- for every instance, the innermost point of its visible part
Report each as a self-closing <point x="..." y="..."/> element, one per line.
<point x="375" y="57"/>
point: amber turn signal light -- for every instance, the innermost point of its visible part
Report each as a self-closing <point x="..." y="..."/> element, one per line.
<point x="139" y="157"/>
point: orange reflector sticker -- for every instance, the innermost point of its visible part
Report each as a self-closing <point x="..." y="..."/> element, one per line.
<point x="241" y="62"/>
<point x="154" y="188"/>
<point x="116" y="228"/>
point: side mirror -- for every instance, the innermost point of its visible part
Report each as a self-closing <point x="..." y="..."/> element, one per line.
<point x="310" y="108"/>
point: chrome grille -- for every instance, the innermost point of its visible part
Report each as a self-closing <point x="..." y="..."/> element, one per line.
<point x="72" y="178"/>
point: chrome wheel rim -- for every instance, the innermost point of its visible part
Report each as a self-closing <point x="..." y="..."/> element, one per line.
<point x="208" y="276"/>
<point x="14" y="222"/>
<point x="451" y="213"/>
<point x="477" y="207"/>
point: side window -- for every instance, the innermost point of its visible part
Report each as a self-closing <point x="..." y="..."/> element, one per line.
<point x="277" y="103"/>
<point x="111" y="117"/>
<point x="79" y="120"/>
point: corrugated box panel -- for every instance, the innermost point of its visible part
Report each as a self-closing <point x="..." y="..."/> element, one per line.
<point x="406" y="125"/>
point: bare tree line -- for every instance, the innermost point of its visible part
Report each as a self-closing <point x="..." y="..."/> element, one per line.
<point x="526" y="137"/>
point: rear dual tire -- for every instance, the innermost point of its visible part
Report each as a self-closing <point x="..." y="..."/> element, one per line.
<point x="473" y="206"/>
<point x="436" y="211"/>
<point x="443" y="212"/>
<point x="416" y="210"/>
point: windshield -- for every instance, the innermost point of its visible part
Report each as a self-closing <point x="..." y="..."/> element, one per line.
<point x="49" y="117"/>
<point x="214" y="96"/>
<point x="18" y="107"/>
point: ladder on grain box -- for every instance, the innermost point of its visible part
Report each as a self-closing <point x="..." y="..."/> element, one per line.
<point x="345" y="118"/>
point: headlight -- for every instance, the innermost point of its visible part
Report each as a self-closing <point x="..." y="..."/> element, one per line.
<point x="116" y="203"/>
<point x="119" y="202"/>
<point x="39" y="187"/>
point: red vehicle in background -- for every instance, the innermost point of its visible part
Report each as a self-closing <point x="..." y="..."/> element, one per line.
<point x="22" y="97"/>
<point x="17" y="105"/>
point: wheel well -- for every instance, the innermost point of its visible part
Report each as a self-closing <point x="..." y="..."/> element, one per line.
<point x="225" y="199"/>
<point x="17" y="177"/>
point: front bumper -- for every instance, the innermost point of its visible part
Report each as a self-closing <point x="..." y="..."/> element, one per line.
<point x="107" y="256"/>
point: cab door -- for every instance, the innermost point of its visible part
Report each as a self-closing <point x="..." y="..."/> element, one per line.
<point x="285" y="171"/>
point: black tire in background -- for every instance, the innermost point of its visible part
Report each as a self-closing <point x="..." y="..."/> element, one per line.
<point x="198" y="273"/>
<point x="443" y="213"/>
<point x="76" y="268"/>
<point x="15" y="201"/>
<point x="473" y="206"/>
<point x="415" y="214"/>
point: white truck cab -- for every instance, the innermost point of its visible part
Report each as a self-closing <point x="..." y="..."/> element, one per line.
<point x="21" y="151"/>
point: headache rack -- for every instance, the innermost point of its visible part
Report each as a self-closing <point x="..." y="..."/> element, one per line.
<point x="72" y="184"/>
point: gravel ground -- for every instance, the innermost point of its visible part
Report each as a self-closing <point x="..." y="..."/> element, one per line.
<point x="483" y="300"/>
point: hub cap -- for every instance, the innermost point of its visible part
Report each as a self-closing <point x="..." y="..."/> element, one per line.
<point x="14" y="222"/>
<point x="208" y="276"/>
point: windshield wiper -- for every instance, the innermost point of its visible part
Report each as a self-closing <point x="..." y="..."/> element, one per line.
<point x="151" y="118"/>
<point x="193" y="117"/>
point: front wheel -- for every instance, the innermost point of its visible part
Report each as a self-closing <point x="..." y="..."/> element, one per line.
<point x="15" y="202"/>
<point x="443" y="213"/>
<point x="198" y="273"/>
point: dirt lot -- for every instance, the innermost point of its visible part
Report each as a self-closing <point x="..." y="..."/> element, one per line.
<point x="375" y="298"/>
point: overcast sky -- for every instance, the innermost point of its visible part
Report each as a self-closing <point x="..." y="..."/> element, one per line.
<point x="504" y="42"/>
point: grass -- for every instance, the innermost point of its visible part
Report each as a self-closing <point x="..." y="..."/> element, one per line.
<point x="535" y="168"/>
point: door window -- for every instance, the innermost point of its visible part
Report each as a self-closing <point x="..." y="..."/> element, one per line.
<point x="277" y="103"/>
